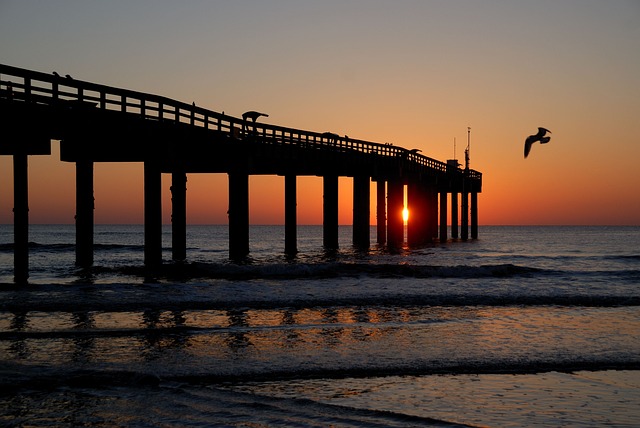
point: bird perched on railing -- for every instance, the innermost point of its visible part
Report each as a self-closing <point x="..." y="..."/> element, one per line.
<point x="540" y="136"/>
<point x="55" y="73"/>
<point x="331" y="136"/>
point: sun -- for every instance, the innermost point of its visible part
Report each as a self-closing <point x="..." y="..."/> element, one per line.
<point x="405" y="215"/>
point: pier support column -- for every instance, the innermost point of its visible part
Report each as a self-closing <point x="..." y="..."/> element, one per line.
<point x="395" y="228"/>
<point x="464" y="216"/>
<point x="454" y="215"/>
<point x="152" y="215"/>
<point x="179" y="215"/>
<point x="20" y="218"/>
<point x="443" y="216"/>
<point x="432" y="194"/>
<point x="84" y="213"/>
<point x="238" y="215"/>
<point x="330" y="212"/>
<point x="474" y="215"/>
<point x="419" y="209"/>
<point x="361" y="202"/>
<point x="290" y="214"/>
<point x="381" y="212"/>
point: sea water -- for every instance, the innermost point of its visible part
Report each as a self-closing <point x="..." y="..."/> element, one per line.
<point x="525" y="326"/>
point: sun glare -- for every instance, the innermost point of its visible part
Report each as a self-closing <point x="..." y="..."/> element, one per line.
<point x="405" y="215"/>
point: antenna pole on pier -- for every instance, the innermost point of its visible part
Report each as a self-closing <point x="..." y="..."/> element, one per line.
<point x="466" y="151"/>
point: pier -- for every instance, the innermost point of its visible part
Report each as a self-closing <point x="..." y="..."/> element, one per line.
<point x="99" y="123"/>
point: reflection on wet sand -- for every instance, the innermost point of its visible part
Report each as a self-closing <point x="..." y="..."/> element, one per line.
<point x="228" y="341"/>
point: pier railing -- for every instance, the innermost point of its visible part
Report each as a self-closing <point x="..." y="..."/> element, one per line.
<point x="51" y="89"/>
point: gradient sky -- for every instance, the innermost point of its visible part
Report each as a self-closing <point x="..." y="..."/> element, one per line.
<point x="412" y="73"/>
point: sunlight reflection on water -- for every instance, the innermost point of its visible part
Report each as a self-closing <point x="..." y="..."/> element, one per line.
<point x="281" y="339"/>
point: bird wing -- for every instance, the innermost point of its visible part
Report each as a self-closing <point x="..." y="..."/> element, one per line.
<point x="527" y="146"/>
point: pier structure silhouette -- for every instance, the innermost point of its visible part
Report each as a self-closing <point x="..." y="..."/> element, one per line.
<point x="99" y="123"/>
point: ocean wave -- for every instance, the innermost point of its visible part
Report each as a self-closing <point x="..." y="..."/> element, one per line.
<point x="284" y="271"/>
<point x="296" y="271"/>
<point x="95" y="398"/>
<point x="132" y="300"/>
<point x="17" y="376"/>
<point x="328" y="270"/>
<point x="633" y="257"/>
<point x="36" y="247"/>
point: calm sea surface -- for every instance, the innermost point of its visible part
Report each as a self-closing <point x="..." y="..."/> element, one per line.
<point x="526" y="326"/>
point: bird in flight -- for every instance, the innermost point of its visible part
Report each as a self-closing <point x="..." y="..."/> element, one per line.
<point x="540" y="136"/>
<point x="253" y="115"/>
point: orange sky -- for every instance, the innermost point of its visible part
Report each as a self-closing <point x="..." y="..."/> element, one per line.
<point x="412" y="73"/>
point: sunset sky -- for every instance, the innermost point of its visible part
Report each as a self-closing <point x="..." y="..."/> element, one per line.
<point x="412" y="73"/>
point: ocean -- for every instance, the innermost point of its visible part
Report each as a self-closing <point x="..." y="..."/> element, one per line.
<point x="525" y="326"/>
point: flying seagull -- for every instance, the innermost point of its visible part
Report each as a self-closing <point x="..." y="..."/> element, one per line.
<point x="253" y="115"/>
<point x="540" y="136"/>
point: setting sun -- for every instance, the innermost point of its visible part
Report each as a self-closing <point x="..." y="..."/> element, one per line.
<point x="405" y="215"/>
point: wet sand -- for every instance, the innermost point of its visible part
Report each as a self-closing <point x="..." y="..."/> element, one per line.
<point x="598" y="398"/>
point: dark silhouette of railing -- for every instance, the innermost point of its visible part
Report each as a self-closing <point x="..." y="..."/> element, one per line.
<point x="51" y="89"/>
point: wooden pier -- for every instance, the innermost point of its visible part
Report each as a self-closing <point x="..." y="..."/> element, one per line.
<point x="98" y="123"/>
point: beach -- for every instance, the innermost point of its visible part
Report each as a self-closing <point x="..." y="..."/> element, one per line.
<point x="526" y="326"/>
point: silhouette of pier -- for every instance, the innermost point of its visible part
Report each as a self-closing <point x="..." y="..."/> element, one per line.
<point x="99" y="123"/>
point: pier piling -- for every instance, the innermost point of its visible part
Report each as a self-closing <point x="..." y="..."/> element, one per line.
<point x="21" y="218"/>
<point x="290" y="214"/>
<point x="395" y="223"/>
<point x="238" y="215"/>
<point x="443" y="216"/>
<point x="330" y="212"/>
<point x="84" y="213"/>
<point x="361" y="202"/>
<point x="464" y="216"/>
<point x="179" y="215"/>
<point x="474" y="215"/>
<point x="381" y="212"/>
<point x="454" y="215"/>
<point x="152" y="215"/>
